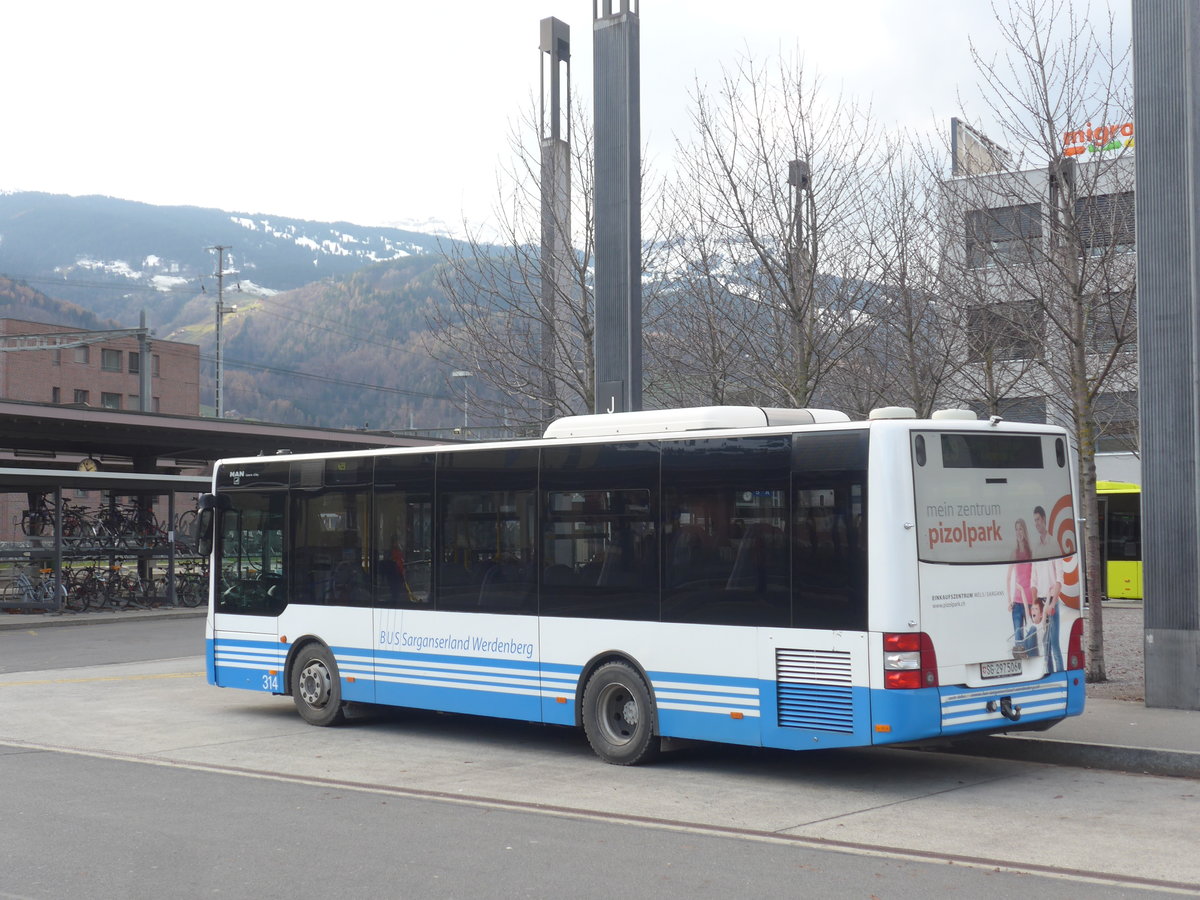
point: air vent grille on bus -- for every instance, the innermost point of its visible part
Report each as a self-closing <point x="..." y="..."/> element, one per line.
<point x="815" y="689"/>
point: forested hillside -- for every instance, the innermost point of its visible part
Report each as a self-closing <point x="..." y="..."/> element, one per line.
<point x="20" y="301"/>
<point x="342" y="352"/>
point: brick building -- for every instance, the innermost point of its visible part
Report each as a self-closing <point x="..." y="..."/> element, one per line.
<point x="105" y="374"/>
<point x="99" y="372"/>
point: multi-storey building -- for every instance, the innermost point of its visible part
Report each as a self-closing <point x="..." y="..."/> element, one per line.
<point x="1044" y="261"/>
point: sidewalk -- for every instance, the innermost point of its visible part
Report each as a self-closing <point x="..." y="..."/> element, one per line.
<point x="26" y="621"/>
<point x="1117" y="734"/>
<point x="1120" y="735"/>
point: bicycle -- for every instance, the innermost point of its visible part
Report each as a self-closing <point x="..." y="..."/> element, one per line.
<point x="38" y="520"/>
<point x="24" y="591"/>
<point x="191" y="584"/>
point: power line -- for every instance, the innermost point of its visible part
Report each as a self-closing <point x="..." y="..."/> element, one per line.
<point x="275" y="370"/>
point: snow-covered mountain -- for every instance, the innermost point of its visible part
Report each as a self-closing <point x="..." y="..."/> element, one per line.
<point x="104" y="253"/>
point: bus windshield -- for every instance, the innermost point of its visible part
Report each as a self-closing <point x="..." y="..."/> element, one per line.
<point x="989" y="498"/>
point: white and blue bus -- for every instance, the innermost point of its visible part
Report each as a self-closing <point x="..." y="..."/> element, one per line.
<point x="769" y="577"/>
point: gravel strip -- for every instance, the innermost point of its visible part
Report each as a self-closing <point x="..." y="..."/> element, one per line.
<point x="1124" y="650"/>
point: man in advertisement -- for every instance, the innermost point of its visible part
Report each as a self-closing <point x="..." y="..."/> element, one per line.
<point x="1047" y="586"/>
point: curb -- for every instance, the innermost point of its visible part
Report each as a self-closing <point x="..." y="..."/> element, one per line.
<point x="56" y="620"/>
<point x="1111" y="757"/>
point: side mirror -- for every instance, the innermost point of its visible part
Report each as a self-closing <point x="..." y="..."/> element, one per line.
<point x="209" y="504"/>
<point x="204" y="532"/>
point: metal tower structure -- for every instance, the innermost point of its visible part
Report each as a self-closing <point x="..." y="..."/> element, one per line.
<point x="1166" y="50"/>
<point x="556" y="194"/>
<point x="618" y="343"/>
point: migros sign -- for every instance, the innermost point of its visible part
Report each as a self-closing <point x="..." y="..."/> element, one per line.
<point x="1097" y="140"/>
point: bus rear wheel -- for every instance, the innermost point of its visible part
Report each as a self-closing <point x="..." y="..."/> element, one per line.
<point x="618" y="715"/>
<point x="317" y="687"/>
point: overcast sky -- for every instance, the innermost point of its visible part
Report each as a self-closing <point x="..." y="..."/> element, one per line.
<point x="378" y="112"/>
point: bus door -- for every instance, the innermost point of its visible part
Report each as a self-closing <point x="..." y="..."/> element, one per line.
<point x="249" y="592"/>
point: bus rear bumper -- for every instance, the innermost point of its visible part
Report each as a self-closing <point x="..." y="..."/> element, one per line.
<point x="954" y="710"/>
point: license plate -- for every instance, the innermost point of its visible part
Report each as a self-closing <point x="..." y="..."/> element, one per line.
<point x="1000" y="669"/>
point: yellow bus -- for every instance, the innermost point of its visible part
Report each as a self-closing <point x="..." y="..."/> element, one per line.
<point x="1121" y="515"/>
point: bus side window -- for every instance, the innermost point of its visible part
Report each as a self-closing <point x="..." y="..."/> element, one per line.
<point x="404" y="548"/>
<point x="600" y="541"/>
<point x="330" y="548"/>
<point x="829" y="531"/>
<point x="725" y="531"/>
<point x="250" y="547"/>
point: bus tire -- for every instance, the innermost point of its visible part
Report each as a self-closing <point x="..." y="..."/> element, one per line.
<point x="317" y="686"/>
<point x="619" y="715"/>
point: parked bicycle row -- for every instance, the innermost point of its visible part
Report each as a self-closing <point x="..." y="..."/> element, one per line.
<point x="106" y="585"/>
<point x="110" y="526"/>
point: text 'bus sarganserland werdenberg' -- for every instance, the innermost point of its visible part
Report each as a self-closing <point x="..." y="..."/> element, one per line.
<point x="769" y="577"/>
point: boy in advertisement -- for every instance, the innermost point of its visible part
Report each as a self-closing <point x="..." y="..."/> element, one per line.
<point x="1047" y="586"/>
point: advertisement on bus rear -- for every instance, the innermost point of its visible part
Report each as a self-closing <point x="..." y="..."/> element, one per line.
<point x="995" y="528"/>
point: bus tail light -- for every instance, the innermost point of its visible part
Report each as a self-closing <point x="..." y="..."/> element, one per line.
<point x="909" y="661"/>
<point x="1075" y="657"/>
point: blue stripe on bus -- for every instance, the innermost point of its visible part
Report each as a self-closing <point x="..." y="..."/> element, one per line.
<point x="734" y="710"/>
<point x="252" y="665"/>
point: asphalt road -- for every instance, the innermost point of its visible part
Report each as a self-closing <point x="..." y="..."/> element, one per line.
<point x="38" y="649"/>
<point x="136" y="779"/>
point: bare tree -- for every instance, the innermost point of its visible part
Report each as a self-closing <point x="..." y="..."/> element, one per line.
<point x="911" y="357"/>
<point x="532" y="351"/>
<point x="497" y="323"/>
<point x="769" y="216"/>
<point x="1052" y="235"/>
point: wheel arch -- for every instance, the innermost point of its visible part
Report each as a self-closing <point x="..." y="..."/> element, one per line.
<point x="294" y="651"/>
<point x="601" y="659"/>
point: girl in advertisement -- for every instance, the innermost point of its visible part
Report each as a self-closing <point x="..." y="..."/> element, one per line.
<point x="1020" y="591"/>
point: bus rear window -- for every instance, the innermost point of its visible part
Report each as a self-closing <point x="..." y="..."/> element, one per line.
<point x="991" y="451"/>
<point x="987" y="497"/>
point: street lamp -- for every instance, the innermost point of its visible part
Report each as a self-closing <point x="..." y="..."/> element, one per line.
<point x="463" y="373"/>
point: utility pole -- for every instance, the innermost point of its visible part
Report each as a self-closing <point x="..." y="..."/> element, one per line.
<point x="145" y="385"/>
<point x="801" y="274"/>
<point x="221" y="310"/>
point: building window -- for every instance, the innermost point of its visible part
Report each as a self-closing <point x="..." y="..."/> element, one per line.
<point x="154" y="405"/>
<point x="1013" y="409"/>
<point x="1004" y="331"/>
<point x="56" y="357"/>
<point x="135" y="362"/>
<point x="1112" y="321"/>
<point x="1006" y="234"/>
<point x="83" y="355"/>
<point x="81" y="396"/>
<point x="1104" y="221"/>
<point x="55" y="395"/>
<point x="1115" y="417"/>
<point x="110" y="401"/>
<point x="110" y="360"/>
<point x="154" y="362"/>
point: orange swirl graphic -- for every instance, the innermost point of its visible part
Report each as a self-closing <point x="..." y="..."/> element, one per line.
<point x="1062" y="526"/>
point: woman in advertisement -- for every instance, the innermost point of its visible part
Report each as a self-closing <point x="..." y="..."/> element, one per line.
<point x="1047" y="585"/>
<point x="1020" y="591"/>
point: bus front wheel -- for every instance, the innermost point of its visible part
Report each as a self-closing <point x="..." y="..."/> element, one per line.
<point x="618" y="715"/>
<point x="317" y="687"/>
